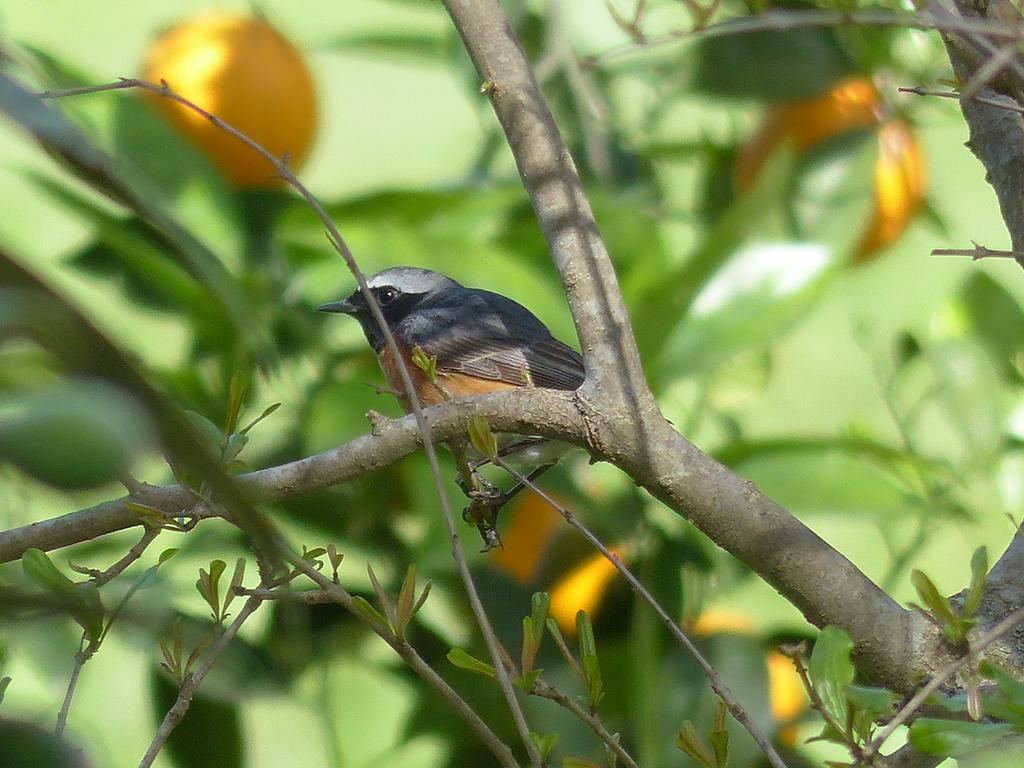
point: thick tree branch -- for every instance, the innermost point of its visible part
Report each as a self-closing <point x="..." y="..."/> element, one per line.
<point x="997" y="140"/>
<point x="828" y="588"/>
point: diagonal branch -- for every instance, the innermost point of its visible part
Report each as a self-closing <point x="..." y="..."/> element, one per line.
<point x="550" y="177"/>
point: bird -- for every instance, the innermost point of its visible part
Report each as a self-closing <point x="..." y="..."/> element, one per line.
<point x="476" y="341"/>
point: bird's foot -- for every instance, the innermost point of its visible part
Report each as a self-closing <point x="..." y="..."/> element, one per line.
<point x="483" y="513"/>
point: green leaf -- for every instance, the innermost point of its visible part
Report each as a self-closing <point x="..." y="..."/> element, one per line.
<point x="463" y="660"/>
<point x="588" y="655"/>
<point x="540" y="604"/>
<point x="994" y="317"/>
<point x="786" y="65"/>
<point x="39" y="568"/>
<point x="236" y="581"/>
<point x="209" y="431"/>
<point x="406" y="598"/>
<point x="270" y="409"/>
<point x="4" y="682"/>
<point x="693" y="744"/>
<point x="657" y="295"/>
<point x="167" y="554"/>
<point x="831" y="671"/>
<point x="426" y="363"/>
<point x="238" y="388"/>
<point x="979" y="569"/>
<point x="719" y="736"/>
<point x="877" y="702"/>
<point x="208" y="586"/>
<point x="382" y="598"/>
<point x="91" y="164"/>
<point x="953" y="738"/>
<point x="482" y="438"/>
<point x="543" y="743"/>
<point x="368" y="612"/>
<point x="758" y="294"/>
<point x="952" y="627"/>
<point x="79" y="434"/>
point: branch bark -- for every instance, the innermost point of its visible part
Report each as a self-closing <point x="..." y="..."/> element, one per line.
<point x="997" y="140"/>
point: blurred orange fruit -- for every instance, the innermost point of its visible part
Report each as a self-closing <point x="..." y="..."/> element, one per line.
<point x="899" y="188"/>
<point x="785" y="688"/>
<point x="243" y="71"/>
<point x="850" y="105"/>
<point x="532" y="523"/>
<point x="582" y="589"/>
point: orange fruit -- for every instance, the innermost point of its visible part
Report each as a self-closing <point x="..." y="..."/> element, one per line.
<point x="899" y="188"/>
<point x="243" y="71"/>
<point x="852" y="104"/>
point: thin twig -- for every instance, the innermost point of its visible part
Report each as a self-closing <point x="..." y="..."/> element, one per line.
<point x="978" y="252"/>
<point x="99" y="578"/>
<point x="193" y="680"/>
<point x="84" y="653"/>
<point x="334" y="236"/>
<point x="1005" y="103"/>
<point x="548" y="691"/>
<point x="309" y="597"/>
<point x="781" y="21"/>
<point x="714" y="679"/>
<point x="936" y="681"/>
<point x="415" y="662"/>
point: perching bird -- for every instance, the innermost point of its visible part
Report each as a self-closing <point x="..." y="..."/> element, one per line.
<point x="480" y="342"/>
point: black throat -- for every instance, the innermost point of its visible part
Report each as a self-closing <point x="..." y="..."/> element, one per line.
<point x="393" y="313"/>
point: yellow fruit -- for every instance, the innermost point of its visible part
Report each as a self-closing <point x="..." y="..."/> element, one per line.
<point x="851" y="105"/>
<point x="243" y="71"/>
<point x="532" y="523"/>
<point x="786" y="690"/>
<point x="582" y="589"/>
<point x="899" y="188"/>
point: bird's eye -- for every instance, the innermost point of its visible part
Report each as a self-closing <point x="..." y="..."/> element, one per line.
<point x="386" y="296"/>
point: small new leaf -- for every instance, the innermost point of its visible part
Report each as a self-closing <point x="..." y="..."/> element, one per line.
<point x="588" y="655"/>
<point x="406" y="598"/>
<point x="382" y="599"/>
<point x="831" y="671"/>
<point x="543" y="743"/>
<point x="334" y="557"/>
<point x="693" y="744"/>
<point x="267" y="411"/>
<point x="426" y="363"/>
<point x="368" y="612"/>
<point x="482" y="438"/>
<point x="979" y="569"/>
<point x="463" y="660"/>
<point x="719" y="736"/>
<point x="4" y="682"/>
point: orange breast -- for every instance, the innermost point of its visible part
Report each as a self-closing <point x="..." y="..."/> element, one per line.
<point x="448" y="385"/>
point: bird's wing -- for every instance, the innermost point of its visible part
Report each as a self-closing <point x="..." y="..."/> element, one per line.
<point x="546" y="363"/>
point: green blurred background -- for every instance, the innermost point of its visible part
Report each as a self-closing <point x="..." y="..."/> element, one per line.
<point x="880" y="403"/>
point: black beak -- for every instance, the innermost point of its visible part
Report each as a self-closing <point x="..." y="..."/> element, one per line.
<point x="349" y="306"/>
